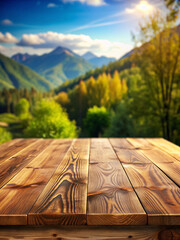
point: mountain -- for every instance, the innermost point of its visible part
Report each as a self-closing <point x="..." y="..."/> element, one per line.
<point x="89" y="55"/>
<point x="100" y="61"/>
<point x="57" y="66"/>
<point x="127" y="54"/>
<point x="16" y="75"/>
<point x="125" y="63"/>
<point x="97" y="61"/>
<point x="20" y="57"/>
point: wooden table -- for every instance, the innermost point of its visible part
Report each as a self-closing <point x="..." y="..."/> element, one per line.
<point x="133" y="183"/>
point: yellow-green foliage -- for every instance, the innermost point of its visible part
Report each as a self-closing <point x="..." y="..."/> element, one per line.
<point x="50" y="121"/>
<point x="4" y="135"/>
<point x="22" y="108"/>
<point x="96" y="121"/>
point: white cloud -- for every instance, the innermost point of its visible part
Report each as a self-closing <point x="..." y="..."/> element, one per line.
<point x="31" y="40"/>
<point x="9" y="51"/>
<point x="78" y="43"/>
<point x="88" y="2"/>
<point x="7" y="38"/>
<point x="51" y="5"/>
<point x="6" y="22"/>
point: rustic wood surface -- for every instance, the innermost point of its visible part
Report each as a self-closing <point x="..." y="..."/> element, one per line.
<point x="111" y="198"/>
<point x="90" y="233"/>
<point x="116" y="181"/>
<point x="63" y="200"/>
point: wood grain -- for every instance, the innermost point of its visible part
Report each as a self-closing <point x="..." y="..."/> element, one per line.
<point x="140" y="143"/>
<point x="168" y="164"/>
<point x="121" y="143"/>
<point x="15" y="163"/>
<point x="158" y="194"/>
<point x="10" y="148"/>
<point x="130" y="182"/>
<point x="91" y="233"/>
<point x="111" y="199"/>
<point x="64" y="199"/>
<point x="19" y="195"/>
<point x="166" y="146"/>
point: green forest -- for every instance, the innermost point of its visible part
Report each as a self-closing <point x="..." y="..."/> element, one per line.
<point x="137" y="96"/>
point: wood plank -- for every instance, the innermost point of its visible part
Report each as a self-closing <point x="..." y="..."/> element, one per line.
<point x="64" y="199"/>
<point x="158" y="194"/>
<point x="168" y="164"/>
<point x="111" y="198"/>
<point x="12" y="147"/>
<point x="90" y="232"/>
<point x="121" y="143"/>
<point x="10" y="167"/>
<point x="140" y="143"/>
<point x="19" y="195"/>
<point x="101" y="151"/>
<point x="166" y="146"/>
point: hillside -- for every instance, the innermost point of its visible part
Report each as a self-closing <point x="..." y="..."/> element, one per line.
<point x="57" y="66"/>
<point x="16" y="75"/>
<point x="125" y="62"/>
<point x="119" y="65"/>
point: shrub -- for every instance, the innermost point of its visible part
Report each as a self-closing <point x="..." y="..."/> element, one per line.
<point x="5" y="135"/>
<point x="96" y="121"/>
<point x="50" y="121"/>
<point x="22" y="108"/>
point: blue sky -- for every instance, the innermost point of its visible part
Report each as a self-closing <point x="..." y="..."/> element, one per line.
<point x="101" y="26"/>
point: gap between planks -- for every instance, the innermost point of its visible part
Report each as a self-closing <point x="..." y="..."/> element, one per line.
<point x="12" y="165"/>
<point x="111" y="198"/>
<point x="64" y="199"/>
<point x="158" y="194"/>
<point x="19" y="195"/>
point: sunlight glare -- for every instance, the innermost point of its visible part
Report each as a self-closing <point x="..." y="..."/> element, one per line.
<point x="144" y="7"/>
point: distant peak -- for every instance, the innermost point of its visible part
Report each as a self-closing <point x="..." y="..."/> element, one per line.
<point x="89" y="55"/>
<point x="21" y="57"/>
<point x="60" y="50"/>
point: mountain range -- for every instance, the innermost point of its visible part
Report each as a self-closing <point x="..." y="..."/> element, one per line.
<point x="97" y="61"/>
<point x="57" y="66"/>
<point x="61" y="64"/>
<point x="48" y="70"/>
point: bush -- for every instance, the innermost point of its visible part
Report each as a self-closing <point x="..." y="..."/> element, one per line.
<point x="22" y="108"/>
<point x="5" y="135"/>
<point x="50" y="121"/>
<point x="96" y="121"/>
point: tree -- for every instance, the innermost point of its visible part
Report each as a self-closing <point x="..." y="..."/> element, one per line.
<point x="50" y="121"/>
<point x="115" y="89"/>
<point x="121" y="124"/>
<point x="63" y="99"/>
<point x="173" y="7"/>
<point x="22" y="108"/>
<point x="78" y="102"/>
<point x="91" y="86"/>
<point x="82" y="100"/>
<point x="159" y="59"/>
<point x="102" y="90"/>
<point x="96" y="121"/>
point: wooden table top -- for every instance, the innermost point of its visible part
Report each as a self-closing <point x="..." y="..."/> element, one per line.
<point x="116" y="181"/>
